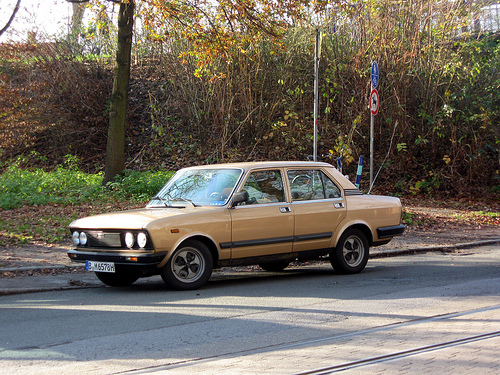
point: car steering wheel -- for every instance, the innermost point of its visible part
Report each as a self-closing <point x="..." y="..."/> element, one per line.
<point x="218" y="196"/>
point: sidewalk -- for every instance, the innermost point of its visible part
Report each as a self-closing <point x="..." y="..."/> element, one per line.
<point x="30" y="276"/>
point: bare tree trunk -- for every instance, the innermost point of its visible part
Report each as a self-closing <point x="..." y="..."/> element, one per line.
<point x="115" y="151"/>
<point x="76" y="19"/>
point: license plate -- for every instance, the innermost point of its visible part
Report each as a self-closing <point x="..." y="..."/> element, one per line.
<point x="100" y="266"/>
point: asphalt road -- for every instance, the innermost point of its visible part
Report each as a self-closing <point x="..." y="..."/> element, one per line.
<point x="409" y="314"/>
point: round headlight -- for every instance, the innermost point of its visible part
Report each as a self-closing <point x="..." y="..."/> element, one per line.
<point x="83" y="239"/>
<point x="129" y="239"/>
<point x="142" y="240"/>
<point x="76" y="238"/>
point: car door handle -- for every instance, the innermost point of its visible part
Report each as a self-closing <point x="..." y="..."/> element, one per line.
<point x="285" y="209"/>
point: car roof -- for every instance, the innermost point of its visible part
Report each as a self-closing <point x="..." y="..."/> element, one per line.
<point x="265" y="164"/>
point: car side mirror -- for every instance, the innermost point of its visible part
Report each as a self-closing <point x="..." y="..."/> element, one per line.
<point x="239" y="197"/>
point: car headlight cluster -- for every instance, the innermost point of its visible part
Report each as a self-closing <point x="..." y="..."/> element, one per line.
<point x="140" y="239"/>
<point x="131" y="239"/>
<point x="79" y="238"/>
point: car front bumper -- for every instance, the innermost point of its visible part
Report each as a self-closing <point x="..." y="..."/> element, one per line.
<point x="143" y="261"/>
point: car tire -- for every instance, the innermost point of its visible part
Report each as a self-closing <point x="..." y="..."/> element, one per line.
<point x="351" y="253"/>
<point x="189" y="267"/>
<point x="276" y="266"/>
<point x="119" y="278"/>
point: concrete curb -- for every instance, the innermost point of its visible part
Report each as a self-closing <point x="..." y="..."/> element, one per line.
<point x="42" y="268"/>
<point x="443" y="248"/>
<point x="65" y="281"/>
<point x="47" y="283"/>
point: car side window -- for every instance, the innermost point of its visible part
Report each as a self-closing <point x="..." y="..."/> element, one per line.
<point x="331" y="189"/>
<point x="311" y="184"/>
<point x="264" y="187"/>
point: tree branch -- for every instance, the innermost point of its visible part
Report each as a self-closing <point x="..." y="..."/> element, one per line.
<point x="16" y="8"/>
<point x="86" y="1"/>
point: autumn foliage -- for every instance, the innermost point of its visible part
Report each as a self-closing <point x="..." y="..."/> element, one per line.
<point x="233" y="80"/>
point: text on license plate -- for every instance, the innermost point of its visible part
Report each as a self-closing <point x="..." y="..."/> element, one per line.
<point x="99" y="266"/>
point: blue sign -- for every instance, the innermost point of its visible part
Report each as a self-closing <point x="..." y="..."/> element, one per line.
<point x="374" y="74"/>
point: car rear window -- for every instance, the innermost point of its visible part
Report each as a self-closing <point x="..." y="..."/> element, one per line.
<point x="311" y="184"/>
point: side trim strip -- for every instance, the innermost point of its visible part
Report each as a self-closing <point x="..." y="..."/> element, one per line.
<point x="275" y="240"/>
<point x="315" y="236"/>
<point x="259" y="242"/>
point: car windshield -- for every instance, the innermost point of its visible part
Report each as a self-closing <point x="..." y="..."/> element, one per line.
<point x="197" y="187"/>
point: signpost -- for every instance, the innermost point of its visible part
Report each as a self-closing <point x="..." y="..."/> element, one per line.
<point x="317" y="53"/>
<point x="374" y="106"/>
<point x="375" y="74"/>
<point x="374" y="102"/>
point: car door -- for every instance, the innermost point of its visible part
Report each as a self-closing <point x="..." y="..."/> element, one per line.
<point x="318" y="206"/>
<point x="264" y="224"/>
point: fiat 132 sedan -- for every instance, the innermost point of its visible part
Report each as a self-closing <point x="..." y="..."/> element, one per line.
<point x="265" y="213"/>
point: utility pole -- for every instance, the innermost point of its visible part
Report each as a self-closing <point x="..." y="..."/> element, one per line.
<point x="317" y="51"/>
<point x="374" y="106"/>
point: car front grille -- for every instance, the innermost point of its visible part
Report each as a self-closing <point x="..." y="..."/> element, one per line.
<point x="103" y="239"/>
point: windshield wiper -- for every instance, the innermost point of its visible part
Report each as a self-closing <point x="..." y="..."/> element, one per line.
<point x="185" y="200"/>
<point x="170" y="199"/>
<point x="163" y="200"/>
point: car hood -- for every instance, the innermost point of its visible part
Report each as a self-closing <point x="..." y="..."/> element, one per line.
<point x="133" y="219"/>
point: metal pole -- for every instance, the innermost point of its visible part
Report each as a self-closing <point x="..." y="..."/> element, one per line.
<point x="316" y="95"/>
<point x="371" y="148"/>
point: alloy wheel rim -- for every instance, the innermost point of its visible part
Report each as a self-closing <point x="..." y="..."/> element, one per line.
<point x="188" y="265"/>
<point x="353" y="251"/>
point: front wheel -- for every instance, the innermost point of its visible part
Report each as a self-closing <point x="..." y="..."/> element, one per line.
<point x="189" y="267"/>
<point x="351" y="254"/>
<point x="119" y="278"/>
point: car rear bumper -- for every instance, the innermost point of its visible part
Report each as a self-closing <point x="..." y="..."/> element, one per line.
<point x="392" y="231"/>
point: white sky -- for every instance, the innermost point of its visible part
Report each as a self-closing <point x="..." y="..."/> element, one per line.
<point x="47" y="18"/>
<point x="51" y="18"/>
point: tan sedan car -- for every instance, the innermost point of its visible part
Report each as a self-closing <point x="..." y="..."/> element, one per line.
<point x="265" y="213"/>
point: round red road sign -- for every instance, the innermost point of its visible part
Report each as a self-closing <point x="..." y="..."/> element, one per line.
<point x="374" y="102"/>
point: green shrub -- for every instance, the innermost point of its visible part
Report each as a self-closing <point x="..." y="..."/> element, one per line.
<point x="68" y="185"/>
<point x="138" y="186"/>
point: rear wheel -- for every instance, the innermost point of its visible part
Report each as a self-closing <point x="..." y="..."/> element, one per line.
<point x="119" y="278"/>
<point x="276" y="266"/>
<point x="351" y="253"/>
<point x="189" y="267"/>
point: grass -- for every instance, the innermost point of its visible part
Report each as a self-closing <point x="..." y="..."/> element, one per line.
<point x="48" y="224"/>
<point x="493" y="215"/>
<point x="68" y="186"/>
<point x="409" y="218"/>
<point x="37" y="205"/>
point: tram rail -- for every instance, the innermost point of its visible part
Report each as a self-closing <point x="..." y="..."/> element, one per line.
<point x="435" y="346"/>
